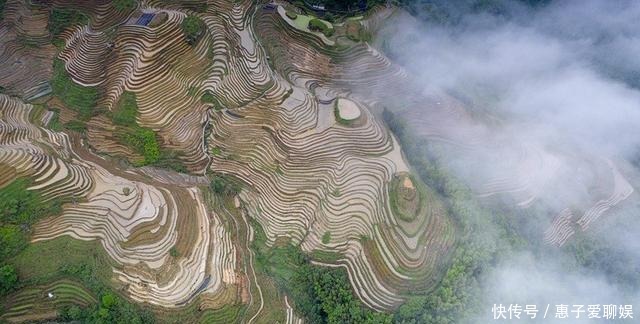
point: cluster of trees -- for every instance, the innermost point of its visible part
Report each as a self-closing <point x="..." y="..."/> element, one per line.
<point x="319" y="26"/>
<point x="143" y="141"/>
<point x="8" y="279"/>
<point x="598" y="255"/>
<point x="346" y="5"/>
<point x="61" y="19"/>
<point x="320" y="294"/>
<point x="19" y="209"/>
<point x="111" y="309"/>
<point x="451" y="12"/>
<point x="223" y="184"/>
<point x="124" y="5"/>
<point x="2" y="3"/>
<point x="193" y="29"/>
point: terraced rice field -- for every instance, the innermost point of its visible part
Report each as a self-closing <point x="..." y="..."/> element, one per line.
<point x="303" y="172"/>
<point x="256" y="98"/>
<point x="42" y="302"/>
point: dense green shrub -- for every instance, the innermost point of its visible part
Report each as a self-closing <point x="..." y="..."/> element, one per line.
<point x="224" y="185"/>
<point x="193" y="29"/>
<point x="8" y="279"/>
<point x="292" y="15"/>
<point x="124" y="5"/>
<point x="76" y="125"/>
<point x="318" y="25"/>
<point x="73" y="313"/>
<point x="341" y="6"/>
<point x="12" y="241"/>
<point x="169" y="160"/>
<point x="2" y="3"/>
<point x="326" y="237"/>
<point x="208" y="97"/>
<point x="54" y="122"/>
<point x="61" y="19"/>
<point x="19" y="206"/>
<point x="143" y="141"/>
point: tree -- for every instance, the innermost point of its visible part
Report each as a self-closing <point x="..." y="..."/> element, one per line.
<point x="318" y="25"/>
<point x="123" y="5"/>
<point x="192" y="27"/>
<point x="12" y="240"/>
<point x="217" y="185"/>
<point x="8" y="279"/>
<point x="224" y="185"/>
<point x="72" y="313"/>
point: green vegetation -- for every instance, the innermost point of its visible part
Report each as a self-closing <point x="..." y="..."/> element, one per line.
<point x="174" y="252"/>
<point x="81" y="99"/>
<point x="27" y="42"/>
<point x="34" y="299"/>
<point x="54" y="123"/>
<point x="8" y="279"/>
<point x="19" y="209"/>
<point x="319" y="26"/>
<point x="12" y="240"/>
<point x="2" y="3"/>
<point x="320" y="294"/>
<point x="76" y="125"/>
<point x="326" y="238"/>
<point x="87" y="263"/>
<point x="193" y="29"/>
<point x="292" y="15"/>
<point x="599" y="255"/>
<point x="224" y="185"/>
<point x="143" y="141"/>
<point x="192" y="91"/>
<point x="208" y="97"/>
<point x="127" y="111"/>
<point x="196" y="6"/>
<point x="406" y="203"/>
<point x="169" y="160"/>
<point x="124" y="5"/>
<point x="61" y="19"/>
<point x="342" y="6"/>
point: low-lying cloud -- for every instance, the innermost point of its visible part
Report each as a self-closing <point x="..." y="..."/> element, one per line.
<point x="538" y="106"/>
